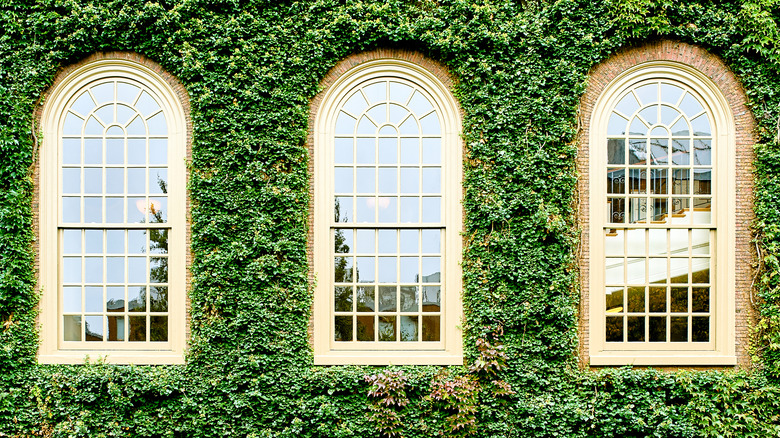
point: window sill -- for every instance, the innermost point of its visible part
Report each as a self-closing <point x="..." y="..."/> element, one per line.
<point x="113" y="357"/>
<point x="662" y="358"/>
<point x="388" y="358"/>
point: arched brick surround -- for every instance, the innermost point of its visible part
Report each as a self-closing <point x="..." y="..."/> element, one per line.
<point x="711" y="66"/>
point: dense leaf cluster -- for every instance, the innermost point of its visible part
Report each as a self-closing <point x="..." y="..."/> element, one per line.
<point x="251" y="68"/>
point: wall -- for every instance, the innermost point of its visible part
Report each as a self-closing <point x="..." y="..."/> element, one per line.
<point x="251" y="69"/>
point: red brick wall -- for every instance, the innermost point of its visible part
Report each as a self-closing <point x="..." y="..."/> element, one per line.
<point x="711" y="66"/>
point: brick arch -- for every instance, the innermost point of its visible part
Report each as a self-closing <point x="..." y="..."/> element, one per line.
<point x="716" y="70"/>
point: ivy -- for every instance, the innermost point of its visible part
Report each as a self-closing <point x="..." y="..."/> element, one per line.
<point x="251" y="68"/>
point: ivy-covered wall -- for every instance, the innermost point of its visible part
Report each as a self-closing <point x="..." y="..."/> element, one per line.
<point x="251" y="69"/>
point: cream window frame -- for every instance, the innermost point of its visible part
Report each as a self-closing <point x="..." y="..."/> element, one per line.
<point x="722" y="347"/>
<point x="52" y="349"/>
<point x="449" y="351"/>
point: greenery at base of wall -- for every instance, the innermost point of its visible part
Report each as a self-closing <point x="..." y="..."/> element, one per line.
<point x="251" y="69"/>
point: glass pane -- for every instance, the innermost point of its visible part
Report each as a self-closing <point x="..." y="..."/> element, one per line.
<point x="388" y="209"/>
<point x="158" y="151"/>
<point x="387" y="328"/>
<point x="136" y="272"/>
<point x="71" y="270"/>
<point x="680" y="151"/>
<point x="388" y="150"/>
<point x="614" y="329"/>
<point x="93" y="299"/>
<point x="410" y="180"/>
<point x="431" y="269"/>
<point x="679" y="268"/>
<point x="158" y="328"/>
<point x="700" y="299"/>
<point x="115" y="269"/>
<point x="365" y="299"/>
<point x="637" y="181"/>
<point x="617" y="126"/>
<point x="702" y="182"/>
<point x="158" y="241"/>
<point x="93" y="269"/>
<point x="431" y="328"/>
<point x="366" y="151"/>
<point x="115" y="151"/>
<point x="136" y="299"/>
<point x="93" y="180"/>
<point x="681" y="181"/>
<point x="409" y="299"/>
<point x="659" y="151"/>
<point x="658" y="181"/>
<point x="115" y="299"/>
<point x="638" y="210"/>
<point x="157" y="125"/>
<point x="431" y="299"/>
<point x="365" y="127"/>
<point x="636" y="241"/>
<point x="71" y="151"/>
<point x="116" y="328"/>
<point x="158" y="270"/>
<point x="342" y="328"/>
<point x="158" y="210"/>
<point x="410" y="210"/>
<point x="93" y="328"/>
<point x="356" y="103"/>
<point x="409" y="241"/>
<point x="72" y="328"/>
<point x="636" y="299"/>
<point x="636" y="329"/>
<point x="637" y="150"/>
<point x="700" y="240"/>
<point x="343" y="151"/>
<point x="614" y="240"/>
<point x="702" y="152"/>
<point x="343" y="240"/>
<point x="387" y="270"/>
<point x="387" y="299"/>
<point x="431" y="180"/>
<point x="410" y="150"/>
<point x="700" y="328"/>
<point x="366" y="209"/>
<point x="657" y="240"/>
<point x="657" y="298"/>
<point x="679" y="302"/>
<point x="419" y="104"/>
<point x="364" y="270"/>
<point x="342" y="268"/>
<point x="409" y="328"/>
<point x="343" y="209"/>
<point x="616" y="181"/>
<point x="136" y="210"/>
<point x="343" y="298"/>
<point x="431" y="241"/>
<point x="115" y="241"/>
<point x="410" y="271"/>
<point x="126" y="92"/>
<point x="658" y="272"/>
<point x="614" y="270"/>
<point x="93" y="240"/>
<point x="701" y="126"/>
<point x="158" y="299"/>
<point x="615" y="300"/>
<point x="702" y="211"/>
<point x="431" y="151"/>
<point x="72" y="241"/>
<point x="115" y="210"/>
<point x="136" y="241"/>
<point x="343" y="180"/>
<point x="71" y="299"/>
<point x="158" y="180"/>
<point x="431" y="209"/>
<point x="115" y="180"/>
<point x="657" y="329"/>
<point x="679" y="329"/>
<point x="93" y="151"/>
<point x="365" y="328"/>
<point x="93" y="210"/>
<point x="387" y="241"/>
<point x="137" y="328"/>
<point x="388" y="180"/>
<point x="700" y="270"/>
<point x="71" y="180"/>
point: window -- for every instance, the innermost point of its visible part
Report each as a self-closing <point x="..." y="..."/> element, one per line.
<point x="387" y="218"/>
<point x="112" y="217"/>
<point x="662" y="164"/>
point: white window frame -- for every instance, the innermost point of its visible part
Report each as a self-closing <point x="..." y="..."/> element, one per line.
<point x="449" y="350"/>
<point x="52" y="347"/>
<point x="722" y="269"/>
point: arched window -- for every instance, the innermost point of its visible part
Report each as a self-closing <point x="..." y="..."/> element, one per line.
<point x="112" y="227"/>
<point x="662" y="178"/>
<point x="387" y="218"/>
